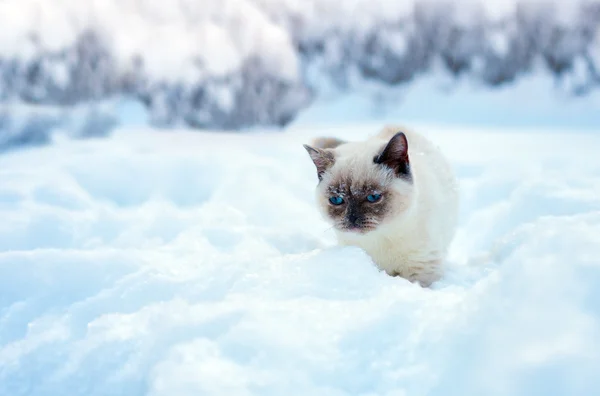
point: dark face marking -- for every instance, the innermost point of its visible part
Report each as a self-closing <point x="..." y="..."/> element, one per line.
<point x="395" y="156"/>
<point x="357" y="213"/>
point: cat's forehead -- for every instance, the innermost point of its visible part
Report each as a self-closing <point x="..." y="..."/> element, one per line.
<point x="358" y="179"/>
<point x="355" y="171"/>
<point x="353" y="188"/>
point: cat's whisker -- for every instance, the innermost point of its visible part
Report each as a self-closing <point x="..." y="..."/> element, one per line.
<point x="328" y="229"/>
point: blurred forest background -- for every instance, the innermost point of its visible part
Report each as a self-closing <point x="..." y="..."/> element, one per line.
<point x="231" y="64"/>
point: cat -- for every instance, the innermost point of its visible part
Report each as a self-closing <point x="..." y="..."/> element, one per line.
<point x="394" y="195"/>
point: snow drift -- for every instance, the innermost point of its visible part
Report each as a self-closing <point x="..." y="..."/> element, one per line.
<point x="162" y="264"/>
<point x="238" y="63"/>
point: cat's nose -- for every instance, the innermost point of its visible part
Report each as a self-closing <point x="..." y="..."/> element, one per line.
<point x="352" y="218"/>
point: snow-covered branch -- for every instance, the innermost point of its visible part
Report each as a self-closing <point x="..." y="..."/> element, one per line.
<point x="238" y="63"/>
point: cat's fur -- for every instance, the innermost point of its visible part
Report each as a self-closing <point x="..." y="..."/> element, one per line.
<point x="406" y="232"/>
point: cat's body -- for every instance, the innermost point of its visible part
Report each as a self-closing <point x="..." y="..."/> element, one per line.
<point x="393" y="195"/>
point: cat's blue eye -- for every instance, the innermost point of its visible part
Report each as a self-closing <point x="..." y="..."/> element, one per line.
<point x="373" y="197"/>
<point x="336" y="200"/>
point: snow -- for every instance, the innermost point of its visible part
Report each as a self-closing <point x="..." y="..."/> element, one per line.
<point x="24" y="125"/>
<point x="186" y="263"/>
<point x="170" y="39"/>
<point x="177" y="262"/>
<point x="203" y="63"/>
<point x="535" y="101"/>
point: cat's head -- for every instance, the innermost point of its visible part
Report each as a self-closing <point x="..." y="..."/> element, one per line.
<point x="362" y="186"/>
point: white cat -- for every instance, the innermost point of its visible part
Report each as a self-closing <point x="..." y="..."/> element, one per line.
<point x="393" y="195"/>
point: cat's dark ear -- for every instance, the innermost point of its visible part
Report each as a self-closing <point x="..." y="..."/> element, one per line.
<point x="323" y="159"/>
<point x="395" y="155"/>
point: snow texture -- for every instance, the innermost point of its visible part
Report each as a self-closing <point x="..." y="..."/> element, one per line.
<point x="196" y="264"/>
<point x="35" y="125"/>
<point x="230" y="64"/>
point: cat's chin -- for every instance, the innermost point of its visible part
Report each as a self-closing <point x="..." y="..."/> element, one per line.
<point x="357" y="230"/>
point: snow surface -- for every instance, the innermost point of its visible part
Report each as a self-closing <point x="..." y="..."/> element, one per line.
<point x="155" y="263"/>
<point x="532" y="102"/>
